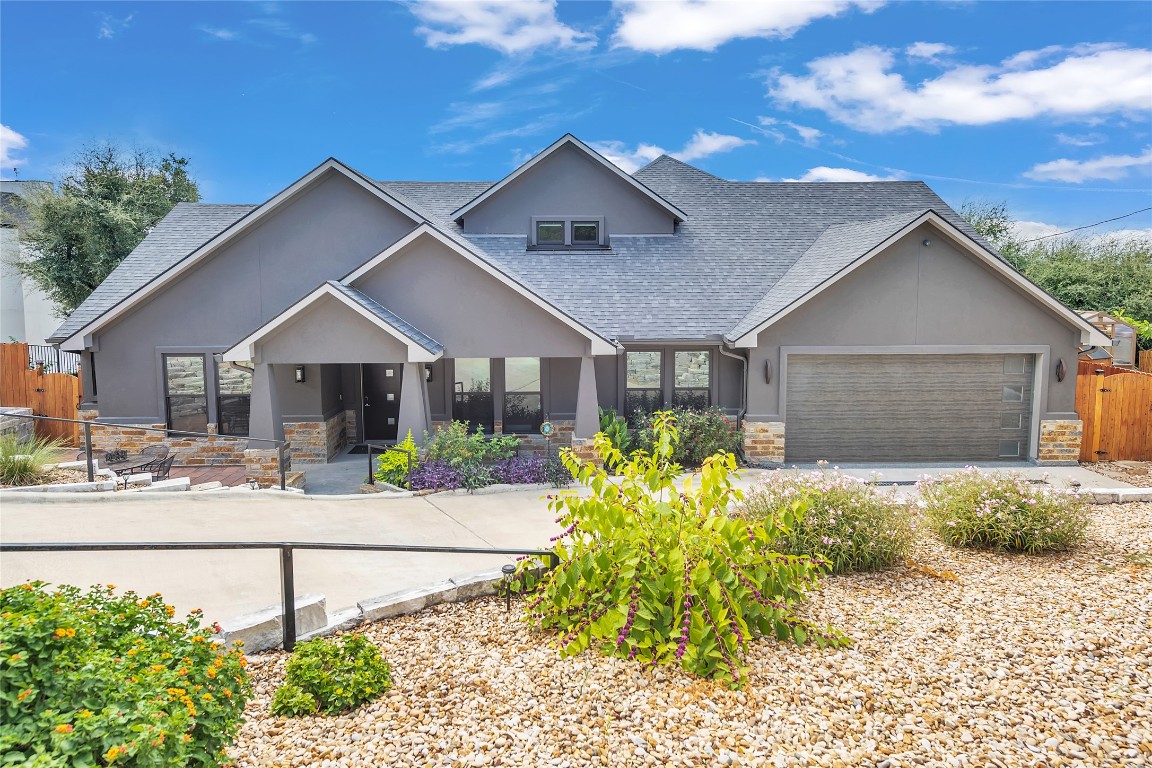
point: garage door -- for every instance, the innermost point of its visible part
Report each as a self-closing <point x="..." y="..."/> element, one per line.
<point x="908" y="407"/>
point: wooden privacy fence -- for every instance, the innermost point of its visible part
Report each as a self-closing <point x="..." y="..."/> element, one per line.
<point x="1144" y="358"/>
<point x="47" y="394"/>
<point x="1116" y="408"/>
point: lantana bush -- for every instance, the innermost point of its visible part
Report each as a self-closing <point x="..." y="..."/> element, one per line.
<point x="1004" y="511"/>
<point x="331" y="676"/>
<point x="96" y="679"/>
<point x="852" y="525"/>
<point x="661" y="573"/>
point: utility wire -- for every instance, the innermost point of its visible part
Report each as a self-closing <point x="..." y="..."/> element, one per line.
<point x="1086" y="226"/>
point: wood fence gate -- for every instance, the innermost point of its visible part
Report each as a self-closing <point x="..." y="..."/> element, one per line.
<point x="1116" y="408"/>
<point x="47" y="394"/>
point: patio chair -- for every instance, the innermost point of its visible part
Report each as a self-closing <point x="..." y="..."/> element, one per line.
<point x="97" y="453"/>
<point x="159" y="450"/>
<point x="159" y="469"/>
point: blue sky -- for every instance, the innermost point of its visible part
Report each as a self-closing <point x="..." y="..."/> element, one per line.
<point x="1044" y="105"/>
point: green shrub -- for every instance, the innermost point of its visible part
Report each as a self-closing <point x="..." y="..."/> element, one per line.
<point x="851" y="525"/>
<point x="703" y="433"/>
<point x="556" y="473"/>
<point x="332" y="676"/>
<point x="94" y="678"/>
<point x="22" y="460"/>
<point x="1002" y="510"/>
<point x="662" y="574"/>
<point x="455" y="446"/>
<point x="392" y="466"/>
<point x="615" y="428"/>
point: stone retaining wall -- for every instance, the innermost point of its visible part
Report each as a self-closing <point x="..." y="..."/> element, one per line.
<point x="23" y="429"/>
<point x="189" y="451"/>
<point x="316" y="442"/>
<point x="1060" y="441"/>
<point x="764" y="441"/>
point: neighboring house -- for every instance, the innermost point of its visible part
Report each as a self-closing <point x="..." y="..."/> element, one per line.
<point x="841" y="321"/>
<point x="26" y="314"/>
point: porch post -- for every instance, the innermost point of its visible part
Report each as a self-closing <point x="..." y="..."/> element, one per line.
<point x="265" y="420"/>
<point x="587" y="405"/>
<point x="414" y="411"/>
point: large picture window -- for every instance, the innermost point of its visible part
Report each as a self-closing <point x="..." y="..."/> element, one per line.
<point x="234" y="400"/>
<point x="472" y="393"/>
<point x="691" y="384"/>
<point x="185" y="393"/>
<point x="644" y="382"/>
<point x="523" y="406"/>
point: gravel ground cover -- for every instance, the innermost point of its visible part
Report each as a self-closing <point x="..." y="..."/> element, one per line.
<point x="960" y="659"/>
<point x="1120" y="472"/>
<point x="58" y="475"/>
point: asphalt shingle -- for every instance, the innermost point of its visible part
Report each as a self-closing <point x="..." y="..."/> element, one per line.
<point x="391" y="318"/>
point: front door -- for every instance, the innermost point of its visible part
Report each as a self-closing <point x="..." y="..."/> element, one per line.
<point x="381" y="383"/>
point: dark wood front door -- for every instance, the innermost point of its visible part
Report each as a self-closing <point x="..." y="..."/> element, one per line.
<point x="381" y="382"/>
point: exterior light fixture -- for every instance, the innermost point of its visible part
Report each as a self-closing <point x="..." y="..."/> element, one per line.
<point x="927" y="242"/>
<point x="508" y="570"/>
<point x="299" y="374"/>
<point x="428" y="372"/>
<point x="1061" y="371"/>
<point x="767" y="371"/>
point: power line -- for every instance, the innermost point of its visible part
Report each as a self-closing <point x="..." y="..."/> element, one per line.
<point x="1086" y="226"/>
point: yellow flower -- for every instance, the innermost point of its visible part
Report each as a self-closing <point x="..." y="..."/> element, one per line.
<point x="207" y="697"/>
<point x="112" y="754"/>
<point x="157" y="667"/>
<point x="64" y="728"/>
<point x="84" y="714"/>
<point x="143" y="603"/>
<point x="186" y="738"/>
<point x="170" y="611"/>
<point x="15" y="658"/>
<point x="211" y="673"/>
<point x="198" y="639"/>
<point x="24" y="694"/>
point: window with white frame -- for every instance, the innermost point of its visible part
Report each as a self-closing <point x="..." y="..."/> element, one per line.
<point x="551" y="232"/>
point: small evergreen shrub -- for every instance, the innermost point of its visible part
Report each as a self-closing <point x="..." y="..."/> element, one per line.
<point x="1002" y="510"/>
<point x="94" y="678"/>
<point x="662" y="574"/>
<point x="615" y="428"/>
<point x="392" y="466"/>
<point x="331" y="675"/>
<point x="703" y="433"/>
<point x="22" y="461"/>
<point x="851" y="525"/>
<point x="456" y="446"/>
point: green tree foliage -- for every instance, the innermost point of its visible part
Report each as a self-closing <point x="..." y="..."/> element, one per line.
<point x="99" y="212"/>
<point x="1110" y="274"/>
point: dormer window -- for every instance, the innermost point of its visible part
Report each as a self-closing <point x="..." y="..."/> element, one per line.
<point x="559" y="232"/>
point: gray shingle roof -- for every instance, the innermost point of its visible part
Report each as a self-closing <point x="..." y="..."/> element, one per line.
<point x="708" y="280"/>
<point x="187" y="227"/>
<point x="388" y="316"/>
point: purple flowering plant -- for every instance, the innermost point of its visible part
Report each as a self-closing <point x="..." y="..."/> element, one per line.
<point x="654" y="569"/>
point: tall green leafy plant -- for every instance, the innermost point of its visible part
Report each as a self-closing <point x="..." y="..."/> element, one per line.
<point x="661" y="573"/>
<point x="393" y="466"/>
<point x="22" y="460"/>
<point x="615" y="428"/>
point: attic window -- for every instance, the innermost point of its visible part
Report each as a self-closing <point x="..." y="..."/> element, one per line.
<point x="561" y="232"/>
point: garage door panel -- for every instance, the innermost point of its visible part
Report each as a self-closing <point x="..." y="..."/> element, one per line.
<point x="907" y="407"/>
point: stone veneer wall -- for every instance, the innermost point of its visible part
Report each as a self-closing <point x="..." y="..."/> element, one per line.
<point x="764" y="441"/>
<point x="316" y="442"/>
<point x="352" y="428"/>
<point x="23" y="429"/>
<point x="1060" y="441"/>
<point x="189" y="451"/>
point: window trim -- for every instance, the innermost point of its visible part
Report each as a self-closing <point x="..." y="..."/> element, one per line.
<point x="674" y="389"/>
<point x="505" y="392"/>
<point x="205" y="368"/>
<point x="568" y="243"/>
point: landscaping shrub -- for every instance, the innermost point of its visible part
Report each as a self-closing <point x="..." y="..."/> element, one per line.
<point x="1002" y="510"/>
<point x="94" y="678"/>
<point x="615" y="428"/>
<point x="434" y="475"/>
<point x="22" y="460"/>
<point x="331" y="676"/>
<point x="703" y="433"/>
<point x="852" y="525"/>
<point x="556" y="472"/>
<point x="456" y="446"/>
<point x="392" y="466"/>
<point x="662" y="574"/>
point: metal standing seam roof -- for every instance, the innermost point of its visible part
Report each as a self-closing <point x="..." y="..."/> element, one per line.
<point x="410" y="331"/>
<point x="740" y="241"/>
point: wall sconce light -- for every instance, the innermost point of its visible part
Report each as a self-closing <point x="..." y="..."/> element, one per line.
<point x="1061" y="371"/>
<point x="299" y="374"/>
<point x="927" y="242"/>
<point x="767" y="371"/>
<point x="428" y="372"/>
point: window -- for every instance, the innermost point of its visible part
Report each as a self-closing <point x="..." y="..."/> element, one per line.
<point x="1013" y="393"/>
<point x="691" y="385"/>
<point x="185" y="393"/>
<point x="553" y="232"/>
<point x="523" y="407"/>
<point x="234" y="399"/>
<point x="644" y="382"/>
<point x="472" y="393"/>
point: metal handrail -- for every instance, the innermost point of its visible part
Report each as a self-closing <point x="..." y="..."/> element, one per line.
<point x="280" y="444"/>
<point x="382" y="449"/>
<point x="286" y="548"/>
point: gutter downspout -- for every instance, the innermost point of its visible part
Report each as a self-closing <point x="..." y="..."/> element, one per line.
<point x="743" y="391"/>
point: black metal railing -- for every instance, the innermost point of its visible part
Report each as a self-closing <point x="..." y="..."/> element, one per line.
<point x="281" y="445"/>
<point x="54" y="360"/>
<point x="287" y="564"/>
<point x="384" y="449"/>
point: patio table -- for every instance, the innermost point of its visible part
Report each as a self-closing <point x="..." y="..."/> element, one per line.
<point x="128" y="463"/>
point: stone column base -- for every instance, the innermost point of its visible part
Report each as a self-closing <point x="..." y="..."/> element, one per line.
<point x="764" y="441"/>
<point x="262" y="465"/>
<point x="1060" y="441"/>
<point x="585" y="450"/>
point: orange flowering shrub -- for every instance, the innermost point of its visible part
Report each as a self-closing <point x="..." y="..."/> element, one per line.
<point x="97" y="679"/>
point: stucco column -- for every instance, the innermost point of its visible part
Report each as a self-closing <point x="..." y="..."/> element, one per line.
<point x="587" y="404"/>
<point x="265" y="420"/>
<point x="415" y="414"/>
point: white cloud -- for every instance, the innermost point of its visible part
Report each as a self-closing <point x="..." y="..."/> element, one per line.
<point x="862" y="89"/>
<point x="1106" y="167"/>
<point x="660" y="27"/>
<point x="1029" y="230"/>
<point x="110" y="26"/>
<point x="1083" y="140"/>
<point x="10" y="143"/>
<point x="515" y="26"/>
<point x="824" y="173"/>
<point x="808" y="135"/>
<point x="928" y="51"/>
<point x="702" y="144"/>
<point x="219" y="34"/>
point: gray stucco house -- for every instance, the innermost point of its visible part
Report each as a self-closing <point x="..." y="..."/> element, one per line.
<point x="846" y="321"/>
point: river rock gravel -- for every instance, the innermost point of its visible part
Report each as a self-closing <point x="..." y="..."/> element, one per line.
<point x="1015" y="661"/>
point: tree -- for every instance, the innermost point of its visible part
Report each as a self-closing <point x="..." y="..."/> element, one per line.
<point x="1100" y="273"/>
<point x="100" y="211"/>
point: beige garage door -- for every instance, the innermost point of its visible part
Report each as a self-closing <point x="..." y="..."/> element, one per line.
<point x="908" y="407"/>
